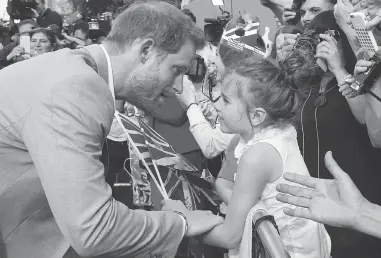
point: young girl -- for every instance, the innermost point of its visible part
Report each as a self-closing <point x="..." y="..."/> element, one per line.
<point x="259" y="100"/>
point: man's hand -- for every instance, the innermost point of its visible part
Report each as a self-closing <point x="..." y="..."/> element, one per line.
<point x="333" y="202"/>
<point x="1" y="46"/>
<point x="188" y="95"/>
<point x="199" y="222"/>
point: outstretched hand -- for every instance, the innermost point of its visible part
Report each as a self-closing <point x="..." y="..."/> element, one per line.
<point x="334" y="202"/>
<point x="199" y="221"/>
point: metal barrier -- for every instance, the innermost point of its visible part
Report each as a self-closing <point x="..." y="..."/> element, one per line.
<point x="269" y="237"/>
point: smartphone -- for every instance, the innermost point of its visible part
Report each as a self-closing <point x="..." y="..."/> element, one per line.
<point x="368" y="79"/>
<point x="366" y="37"/>
<point x="25" y="43"/>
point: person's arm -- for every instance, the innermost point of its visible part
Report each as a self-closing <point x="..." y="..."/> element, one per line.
<point x="373" y="115"/>
<point x="74" y="39"/>
<point x="64" y="135"/>
<point x="368" y="220"/>
<point x="224" y="189"/>
<point x="373" y="22"/>
<point x="328" y="50"/>
<point x="257" y="167"/>
<point x="358" y="104"/>
<point x="7" y="49"/>
<point x="225" y="178"/>
<point x="371" y="107"/>
<point x="211" y="141"/>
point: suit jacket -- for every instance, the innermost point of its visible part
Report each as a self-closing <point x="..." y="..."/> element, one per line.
<point x="55" y="114"/>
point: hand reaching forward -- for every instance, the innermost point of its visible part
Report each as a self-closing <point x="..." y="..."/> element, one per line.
<point x="333" y="202"/>
<point x="188" y="95"/>
<point x="199" y="222"/>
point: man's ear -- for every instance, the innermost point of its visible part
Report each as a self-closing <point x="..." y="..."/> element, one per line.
<point x="257" y="116"/>
<point x="147" y="50"/>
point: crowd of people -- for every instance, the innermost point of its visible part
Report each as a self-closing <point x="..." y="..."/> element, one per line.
<point x="268" y="130"/>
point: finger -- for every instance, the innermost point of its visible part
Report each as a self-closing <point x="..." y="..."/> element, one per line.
<point x="325" y="47"/>
<point x="289" y="16"/>
<point x="329" y="39"/>
<point x="347" y="92"/>
<point x="300" y="179"/>
<point x="290" y="35"/>
<point x="298" y="212"/>
<point x="321" y="54"/>
<point x="295" y="190"/>
<point x="365" y="63"/>
<point x="297" y="201"/>
<point x="350" y="79"/>
<point x="333" y="167"/>
<point x="289" y="42"/>
<point x="360" y="69"/>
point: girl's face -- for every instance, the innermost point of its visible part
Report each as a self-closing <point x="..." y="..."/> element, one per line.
<point x="39" y="44"/>
<point x="232" y="112"/>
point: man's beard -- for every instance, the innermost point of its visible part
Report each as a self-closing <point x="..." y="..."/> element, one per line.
<point x="145" y="90"/>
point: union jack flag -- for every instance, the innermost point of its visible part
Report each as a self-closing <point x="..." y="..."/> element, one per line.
<point x="161" y="151"/>
<point x="181" y="179"/>
<point x="247" y="43"/>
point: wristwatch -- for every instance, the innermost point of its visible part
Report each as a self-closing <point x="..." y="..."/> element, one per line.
<point x="185" y="221"/>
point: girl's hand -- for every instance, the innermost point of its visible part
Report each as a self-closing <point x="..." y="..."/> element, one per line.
<point x="328" y="50"/>
<point x="188" y="95"/>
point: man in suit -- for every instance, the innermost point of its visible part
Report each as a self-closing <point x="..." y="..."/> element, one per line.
<point x="56" y="111"/>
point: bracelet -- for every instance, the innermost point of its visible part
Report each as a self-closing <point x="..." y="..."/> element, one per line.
<point x="193" y="103"/>
<point x="185" y="220"/>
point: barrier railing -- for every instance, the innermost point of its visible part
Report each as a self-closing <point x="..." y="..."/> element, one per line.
<point x="269" y="237"/>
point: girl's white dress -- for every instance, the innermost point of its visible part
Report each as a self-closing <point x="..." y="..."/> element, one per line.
<point x="301" y="237"/>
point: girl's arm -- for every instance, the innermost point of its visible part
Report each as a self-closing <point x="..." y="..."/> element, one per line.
<point x="224" y="189"/>
<point x="258" y="166"/>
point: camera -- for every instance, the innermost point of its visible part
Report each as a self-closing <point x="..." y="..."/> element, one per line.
<point x="21" y="9"/>
<point x="197" y="70"/>
<point x="309" y="40"/>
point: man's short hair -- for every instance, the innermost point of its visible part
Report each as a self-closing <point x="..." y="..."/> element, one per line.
<point x="160" y="21"/>
<point x="28" y="21"/>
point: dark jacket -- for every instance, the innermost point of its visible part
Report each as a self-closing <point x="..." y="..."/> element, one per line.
<point x="49" y="17"/>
